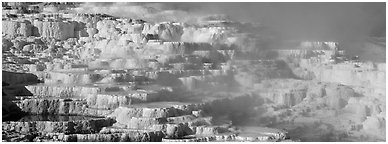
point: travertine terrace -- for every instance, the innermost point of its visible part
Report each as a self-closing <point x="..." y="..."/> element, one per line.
<point x="90" y="77"/>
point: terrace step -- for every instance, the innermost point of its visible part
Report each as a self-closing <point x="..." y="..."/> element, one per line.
<point x="91" y="77"/>
<point x="64" y="91"/>
<point x="102" y="137"/>
<point x="67" y="127"/>
<point x="59" y="106"/>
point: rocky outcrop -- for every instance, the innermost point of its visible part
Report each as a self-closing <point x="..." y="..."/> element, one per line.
<point x="147" y="116"/>
<point x="113" y="48"/>
<point x="143" y="122"/>
<point x="108" y="101"/>
<point x="112" y="79"/>
<point x="264" y="137"/>
<point x="107" y="29"/>
<point x="16" y="28"/>
<point x="13" y="136"/>
<point x="62" y="91"/>
<point x="66" y="127"/>
<point x="43" y="106"/>
<point x="57" y="30"/>
<point x="132" y="136"/>
<point x="6" y="45"/>
<point x="124" y="113"/>
<point x="329" y="104"/>
<point x="215" y="138"/>
<point x="177" y="130"/>
<point x="164" y="31"/>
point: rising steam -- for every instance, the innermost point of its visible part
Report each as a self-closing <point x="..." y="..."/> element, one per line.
<point x="346" y="23"/>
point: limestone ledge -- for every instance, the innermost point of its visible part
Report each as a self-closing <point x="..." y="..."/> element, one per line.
<point x="67" y="127"/>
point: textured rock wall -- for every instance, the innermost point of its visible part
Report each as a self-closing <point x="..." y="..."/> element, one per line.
<point x="108" y="101"/>
<point x="70" y="127"/>
<point x="132" y="136"/>
<point x="123" y="113"/>
<point x="107" y="29"/>
<point x="147" y="117"/>
<point x="53" y="106"/>
<point x="15" y="28"/>
<point x="144" y="123"/>
<point x="60" y="107"/>
<point x="113" y="48"/>
<point x="62" y="91"/>
<point x="165" y="31"/>
<point x="347" y="108"/>
<point x="57" y="30"/>
<point x="118" y="48"/>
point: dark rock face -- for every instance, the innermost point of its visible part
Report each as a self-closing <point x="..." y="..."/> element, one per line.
<point x="19" y="78"/>
<point x="11" y="111"/>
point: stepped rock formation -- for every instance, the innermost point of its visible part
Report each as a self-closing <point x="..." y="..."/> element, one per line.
<point x="57" y="30"/>
<point x="85" y="77"/>
<point x="15" y="28"/>
<point x="164" y="31"/>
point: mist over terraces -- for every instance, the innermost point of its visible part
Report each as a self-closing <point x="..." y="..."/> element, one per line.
<point x="90" y="77"/>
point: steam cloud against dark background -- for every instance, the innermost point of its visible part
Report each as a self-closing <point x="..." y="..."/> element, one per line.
<point x="347" y="23"/>
<point x="323" y="21"/>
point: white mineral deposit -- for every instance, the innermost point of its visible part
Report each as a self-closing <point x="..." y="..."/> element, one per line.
<point x="193" y="72"/>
